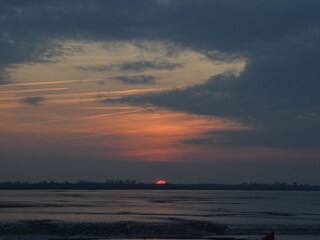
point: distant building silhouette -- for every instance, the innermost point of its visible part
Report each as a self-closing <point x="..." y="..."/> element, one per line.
<point x="269" y="236"/>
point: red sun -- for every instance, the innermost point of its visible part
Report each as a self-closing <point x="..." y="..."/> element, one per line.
<point x="161" y="182"/>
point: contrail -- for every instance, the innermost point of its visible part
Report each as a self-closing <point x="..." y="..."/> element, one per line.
<point x="111" y="114"/>
<point x="34" y="90"/>
<point x="88" y="117"/>
<point x="51" y="82"/>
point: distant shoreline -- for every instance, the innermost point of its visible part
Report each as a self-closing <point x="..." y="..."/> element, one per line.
<point x="132" y="185"/>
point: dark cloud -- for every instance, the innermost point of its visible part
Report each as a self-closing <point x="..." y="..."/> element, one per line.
<point x="278" y="119"/>
<point x="148" y="65"/>
<point x="136" y="66"/>
<point x="100" y="68"/>
<point x="141" y="79"/>
<point x="34" y="101"/>
<point x="289" y="137"/>
<point x="279" y="40"/>
<point x="217" y="26"/>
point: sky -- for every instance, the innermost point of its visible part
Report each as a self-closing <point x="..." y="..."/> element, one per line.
<point x="220" y="91"/>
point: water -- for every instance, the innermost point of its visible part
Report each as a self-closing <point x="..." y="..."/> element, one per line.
<point x="248" y="214"/>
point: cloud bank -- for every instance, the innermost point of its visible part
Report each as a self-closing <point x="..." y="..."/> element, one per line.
<point x="276" y="94"/>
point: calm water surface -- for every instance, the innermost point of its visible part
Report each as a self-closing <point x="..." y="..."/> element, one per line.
<point x="235" y="209"/>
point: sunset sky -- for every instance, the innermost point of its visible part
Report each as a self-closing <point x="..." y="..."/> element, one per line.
<point x="184" y="90"/>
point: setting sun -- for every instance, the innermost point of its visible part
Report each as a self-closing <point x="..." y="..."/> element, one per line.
<point x="161" y="182"/>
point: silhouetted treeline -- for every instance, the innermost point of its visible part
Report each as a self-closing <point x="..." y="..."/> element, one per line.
<point x="132" y="184"/>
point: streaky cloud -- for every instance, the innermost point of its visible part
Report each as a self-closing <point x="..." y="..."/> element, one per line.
<point x="135" y="66"/>
<point x="148" y="65"/>
<point x="138" y="79"/>
<point x="278" y="88"/>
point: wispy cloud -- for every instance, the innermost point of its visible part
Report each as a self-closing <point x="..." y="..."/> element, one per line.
<point x="50" y="82"/>
<point x="102" y="94"/>
<point x="120" y="111"/>
<point x="276" y="94"/>
<point x="34" y="90"/>
<point x="140" y="79"/>
<point x="135" y="66"/>
<point x="113" y="114"/>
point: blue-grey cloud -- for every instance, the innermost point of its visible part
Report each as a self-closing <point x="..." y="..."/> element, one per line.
<point x="135" y="66"/>
<point x="99" y="68"/>
<point x="228" y="27"/>
<point x="278" y="119"/>
<point x="140" y="79"/>
<point x="148" y="65"/>
<point x="280" y="40"/>
<point x="277" y="137"/>
<point x="34" y="101"/>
